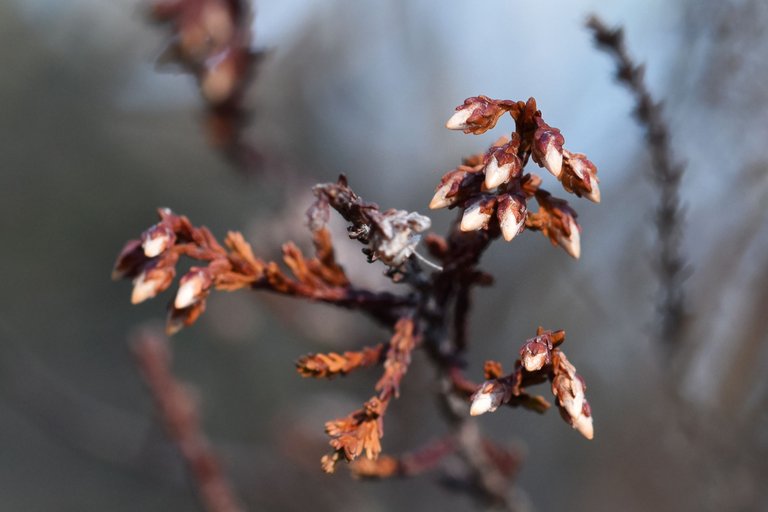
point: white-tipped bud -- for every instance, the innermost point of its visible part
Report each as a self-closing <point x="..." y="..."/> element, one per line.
<point x="156" y="240"/>
<point x="584" y="425"/>
<point x="496" y="174"/>
<point x="192" y="288"/>
<point x="155" y="246"/>
<point x="553" y="159"/>
<point x="571" y="243"/>
<point x="458" y="120"/>
<point x="149" y="283"/>
<point x="439" y="200"/>
<point x="488" y="398"/>
<point x="511" y="211"/>
<point x="477" y="215"/>
<point x="594" y="194"/>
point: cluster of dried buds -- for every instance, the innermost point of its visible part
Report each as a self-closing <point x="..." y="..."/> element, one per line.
<point x="540" y="361"/>
<point x="492" y="189"/>
<point x="212" y="40"/>
<point x="433" y="313"/>
<point x="151" y="261"/>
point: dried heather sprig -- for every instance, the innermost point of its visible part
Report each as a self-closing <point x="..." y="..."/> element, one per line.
<point x="492" y="189"/>
<point x="540" y="360"/>
<point x="493" y="193"/>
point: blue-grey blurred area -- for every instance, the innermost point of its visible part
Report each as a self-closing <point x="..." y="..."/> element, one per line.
<point x="93" y="138"/>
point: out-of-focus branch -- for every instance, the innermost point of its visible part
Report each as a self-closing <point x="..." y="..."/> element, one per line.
<point x="665" y="173"/>
<point x="179" y="414"/>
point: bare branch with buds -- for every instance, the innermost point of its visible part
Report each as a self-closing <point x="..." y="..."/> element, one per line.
<point x="433" y="313"/>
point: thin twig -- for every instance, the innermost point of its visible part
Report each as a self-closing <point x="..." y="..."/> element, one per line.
<point x="665" y="173"/>
<point x="179" y="413"/>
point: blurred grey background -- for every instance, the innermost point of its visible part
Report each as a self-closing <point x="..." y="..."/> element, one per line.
<point x="93" y="139"/>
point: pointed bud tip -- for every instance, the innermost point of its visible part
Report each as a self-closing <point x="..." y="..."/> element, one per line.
<point x="474" y="219"/>
<point x="439" y="200"/>
<point x="143" y="289"/>
<point x="584" y="426"/>
<point x="553" y="160"/>
<point x="480" y="405"/>
<point x="496" y="174"/>
<point x="155" y="246"/>
<point x="458" y="121"/>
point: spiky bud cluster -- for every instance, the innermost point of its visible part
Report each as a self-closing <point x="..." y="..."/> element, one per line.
<point x="492" y="188"/>
<point x="540" y="361"/>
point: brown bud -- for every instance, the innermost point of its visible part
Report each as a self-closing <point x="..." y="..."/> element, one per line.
<point x="579" y="176"/>
<point x="478" y="114"/>
<point x="150" y="282"/>
<point x="478" y="214"/>
<point x="157" y="239"/>
<point x="503" y="164"/>
<point x="511" y="211"/>
<point x="548" y="147"/>
<point x="193" y="287"/>
<point x="455" y="186"/>
<point x="535" y="353"/>
<point x="489" y="397"/>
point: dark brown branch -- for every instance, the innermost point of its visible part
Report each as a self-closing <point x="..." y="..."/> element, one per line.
<point x="180" y="417"/>
<point x="665" y="174"/>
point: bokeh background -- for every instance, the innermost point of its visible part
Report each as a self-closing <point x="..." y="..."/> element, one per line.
<point x="93" y="138"/>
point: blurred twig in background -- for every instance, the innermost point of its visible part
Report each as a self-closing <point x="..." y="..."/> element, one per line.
<point x="179" y="413"/>
<point x="211" y="39"/>
<point x="665" y="174"/>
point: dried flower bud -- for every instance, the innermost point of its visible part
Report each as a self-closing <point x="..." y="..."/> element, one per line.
<point x="557" y="221"/>
<point x="570" y="238"/>
<point x="157" y="239"/>
<point x="511" y="211"/>
<point x="579" y="176"/>
<point x="478" y="114"/>
<point x="535" y="353"/>
<point x="455" y="186"/>
<point x="478" y="214"/>
<point x="568" y="388"/>
<point x="489" y="397"/>
<point x="150" y="282"/>
<point x="503" y="164"/>
<point x="130" y="262"/>
<point x="548" y="147"/>
<point x="193" y="287"/>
